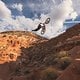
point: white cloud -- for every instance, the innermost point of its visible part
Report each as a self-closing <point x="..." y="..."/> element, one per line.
<point x="4" y="11"/>
<point x="73" y="15"/>
<point x="40" y="6"/>
<point x="59" y="11"/>
<point x="17" y="6"/>
<point x="76" y="6"/>
<point x="58" y="14"/>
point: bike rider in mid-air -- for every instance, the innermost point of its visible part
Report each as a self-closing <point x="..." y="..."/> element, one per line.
<point x="42" y="25"/>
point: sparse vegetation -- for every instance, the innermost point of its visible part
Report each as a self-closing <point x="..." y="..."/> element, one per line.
<point x="62" y="59"/>
<point x="62" y="54"/>
<point x="49" y="74"/>
<point x="54" y="59"/>
<point x="64" y="62"/>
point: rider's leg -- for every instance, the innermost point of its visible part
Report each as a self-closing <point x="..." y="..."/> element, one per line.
<point x="37" y="28"/>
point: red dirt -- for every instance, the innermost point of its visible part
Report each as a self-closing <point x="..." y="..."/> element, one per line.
<point x="23" y="56"/>
<point x="10" y="45"/>
<point x="72" y="72"/>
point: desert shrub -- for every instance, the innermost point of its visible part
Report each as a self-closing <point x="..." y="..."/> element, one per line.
<point x="57" y="59"/>
<point x="49" y="74"/>
<point x="62" y="54"/>
<point x="62" y="59"/>
<point x="64" y="62"/>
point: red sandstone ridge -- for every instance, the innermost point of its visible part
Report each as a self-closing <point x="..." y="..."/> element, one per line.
<point x="11" y="42"/>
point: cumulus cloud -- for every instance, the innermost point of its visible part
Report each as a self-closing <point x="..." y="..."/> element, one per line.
<point x="40" y="6"/>
<point x="76" y="6"/>
<point x="17" y="6"/>
<point x="4" y="11"/>
<point x="58" y="15"/>
<point x="62" y="11"/>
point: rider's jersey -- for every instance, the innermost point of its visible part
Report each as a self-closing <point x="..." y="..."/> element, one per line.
<point x="41" y="24"/>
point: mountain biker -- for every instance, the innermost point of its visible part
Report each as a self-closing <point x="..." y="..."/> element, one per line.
<point x="42" y="25"/>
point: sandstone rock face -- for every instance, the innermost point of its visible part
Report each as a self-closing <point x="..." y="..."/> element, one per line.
<point x="11" y="42"/>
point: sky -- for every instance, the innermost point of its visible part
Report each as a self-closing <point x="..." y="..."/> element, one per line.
<point x="25" y="15"/>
